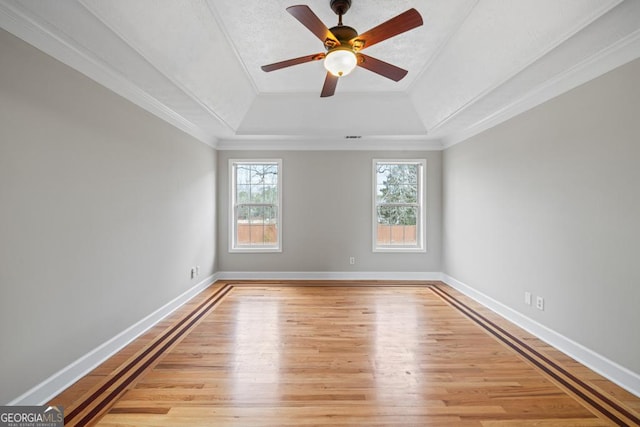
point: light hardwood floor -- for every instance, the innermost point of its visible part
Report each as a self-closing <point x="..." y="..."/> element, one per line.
<point x="342" y="353"/>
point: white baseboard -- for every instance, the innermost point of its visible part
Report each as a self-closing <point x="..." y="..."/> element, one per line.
<point x="328" y="275"/>
<point x="616" y="373"/>
<point x="59" y="381"/>
<point x="56" y="383"/>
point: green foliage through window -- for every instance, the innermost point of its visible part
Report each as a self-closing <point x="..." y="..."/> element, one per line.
<point x="398" y="205"/>
<point x="397" y="193"/>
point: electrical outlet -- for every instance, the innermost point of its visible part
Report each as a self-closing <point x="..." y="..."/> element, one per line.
<point x="540" y="303"/>
<point x="527" y="298"/>
<point x="193" y="273"/>
<point x="197" y="270"/>
<point x="352" y="260"/>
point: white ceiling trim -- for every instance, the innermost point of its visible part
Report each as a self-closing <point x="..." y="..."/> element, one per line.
<point x="570" y="33"/>
<point x="442" y="46"/>
<point x="332" y="144"/>
<point x="234" y="48"/>
<point x="615" y="55"/>
<point x="306" y="115"/>
<point x="95" y="42"/>
<point x="35" y="34"/>
<point x="154" y="65"/>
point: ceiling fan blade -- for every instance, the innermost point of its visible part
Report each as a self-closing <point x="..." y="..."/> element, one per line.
<point x="329" y="88"/>
<point x="380" y="67"/>
<point x="309" y="19"/>
<point x="404" y="22"/>
<point x="294" y="61"/>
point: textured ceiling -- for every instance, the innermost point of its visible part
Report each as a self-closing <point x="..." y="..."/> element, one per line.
<point x="196" y="64"/>
<point x="263" y="32"/>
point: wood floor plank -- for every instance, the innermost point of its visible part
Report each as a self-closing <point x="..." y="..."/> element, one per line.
<point x="359" y="353"/>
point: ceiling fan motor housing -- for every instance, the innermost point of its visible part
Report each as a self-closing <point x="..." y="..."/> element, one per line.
<point x="344" y="33"/>
<point x="340" y="7"/>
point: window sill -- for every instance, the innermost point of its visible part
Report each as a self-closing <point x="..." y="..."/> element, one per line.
<point x="399" y="250"/>
<point x="254" y="250"/>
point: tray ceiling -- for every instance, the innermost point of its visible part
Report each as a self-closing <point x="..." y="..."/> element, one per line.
<point x="196" y="64"/>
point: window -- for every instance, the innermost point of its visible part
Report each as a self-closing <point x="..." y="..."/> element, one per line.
<point x="398" y="205"/>
<point x="256" y="197"/>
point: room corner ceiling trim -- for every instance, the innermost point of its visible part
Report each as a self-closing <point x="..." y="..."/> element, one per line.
<point x="605" y="44"/>
<point x="616" y="55"/>
<point x="154" y="64"/>
<point x="570" y="32"/>
<point x="42" y="38"/>
<point x="349" y="143"/>
<point x="234" y="48"/>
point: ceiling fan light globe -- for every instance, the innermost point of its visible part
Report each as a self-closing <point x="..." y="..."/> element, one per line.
<point x="340" y="62"/>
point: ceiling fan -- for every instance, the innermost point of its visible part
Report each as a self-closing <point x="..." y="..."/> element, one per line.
<point x="343" y="44"/>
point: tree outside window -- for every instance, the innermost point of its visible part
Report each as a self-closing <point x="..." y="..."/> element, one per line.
<point x="398" y="204"/>
<point x="255" y="202"/>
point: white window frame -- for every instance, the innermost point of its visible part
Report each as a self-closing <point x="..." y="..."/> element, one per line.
<point x="421" y="236"/>
<point x="233" y="208"/>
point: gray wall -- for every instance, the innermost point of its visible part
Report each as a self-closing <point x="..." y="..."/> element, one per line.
<point x="549" y="202"/>
<point x="103" y="210"/>
<point x="327" y="214"/>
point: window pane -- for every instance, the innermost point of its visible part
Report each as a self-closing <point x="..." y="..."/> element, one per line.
<point x="243" y="231"/>
<point x="256" y="174"/>
<point x="398" y="205"/>
<point x="397" y="215"/>
<point x="255" y="203"/>
<point x="264" y="173"/>
<point x="256" y="193"/>
<point x="270" y="194"/>
<point x="398" y="235"/>
<point x="270" y="174"/>
<point x="397" y="225"/>
<point x="242" y="193"/>
<point x="242" y="174"/>
<point x="396" y="183"/>
<point x="257" y="225"/>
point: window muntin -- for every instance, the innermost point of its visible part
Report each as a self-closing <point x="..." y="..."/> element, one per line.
<point x="398" y="211"/>
<point x="256" y="196"/>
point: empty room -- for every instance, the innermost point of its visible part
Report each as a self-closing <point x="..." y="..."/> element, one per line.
<point x="330" y="212"/>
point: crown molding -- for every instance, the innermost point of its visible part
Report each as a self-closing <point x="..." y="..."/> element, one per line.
<point x="570" y="32"/>
<point x="36" y="32"/>
<point x="153" y="64"/>
<point x="288" y="143"/>
<point x="32" y="32"/>
<point x="625" y="50"/>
